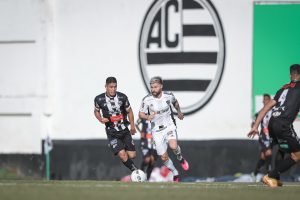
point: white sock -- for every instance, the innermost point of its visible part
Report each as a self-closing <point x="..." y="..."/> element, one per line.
<point x="169" y="164"/>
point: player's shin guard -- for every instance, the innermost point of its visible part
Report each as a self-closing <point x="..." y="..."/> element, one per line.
<point x="169" y="164"/>
<point x="130" y="165"/>
<point x="177" y="152"/>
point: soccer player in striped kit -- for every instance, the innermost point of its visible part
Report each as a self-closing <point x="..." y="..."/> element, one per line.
<point x="265" y="142"/>
<point x="156" y="108"/>
<point x="115" y="107"/>
<point x="285" y="107"/>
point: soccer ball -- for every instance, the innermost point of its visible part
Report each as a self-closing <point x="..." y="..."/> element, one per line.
<point x="138" y="176"/>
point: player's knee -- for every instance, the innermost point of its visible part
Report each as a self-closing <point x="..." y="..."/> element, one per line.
<point x="164" y="157"/>
<point x="152" y="160"/>
<point x="295" y="156"/>
<point x="268" y="153"/>
<point x="147" y="160"/>
<point x="122" y="155"/>
<point x="132" y="154"/>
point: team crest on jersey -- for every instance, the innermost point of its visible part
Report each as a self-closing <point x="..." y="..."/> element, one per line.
<point x="183" y="42"/>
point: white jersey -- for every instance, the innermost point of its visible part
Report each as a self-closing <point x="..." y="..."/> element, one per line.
<point x="161" y="107"/>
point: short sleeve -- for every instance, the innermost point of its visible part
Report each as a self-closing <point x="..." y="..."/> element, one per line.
<point x="126" y="102"/>
<point x="97" y="107"/>
<point x="144" y="106"/>
<point x="173" y="98"/>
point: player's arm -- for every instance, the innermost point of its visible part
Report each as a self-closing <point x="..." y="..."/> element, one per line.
<point x="98" y="114"/>
<point x="131" y="120"/>
<point x="143" y="110"/>
<point x="262" y="113"/>
<point x="265" y="124"/>
<point x="137" y="125"/>
<point x="144" y="116"/>
<point x="99" y="117"/>
<point x="179" y="113"/>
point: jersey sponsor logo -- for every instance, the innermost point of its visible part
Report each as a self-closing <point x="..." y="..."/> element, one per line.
<point x="116" y="118"/>
<point x="183" y="41"/>
<point x="113" y="142"/>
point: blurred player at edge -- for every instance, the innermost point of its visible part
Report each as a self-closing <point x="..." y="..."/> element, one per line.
<point x="285" y="105"/>
<point x="147" y="146"/>
<point x="265" y="142"/>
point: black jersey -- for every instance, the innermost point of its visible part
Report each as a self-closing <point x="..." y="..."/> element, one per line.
<point x="288" y="102"/>
<point x="115" y="109"/>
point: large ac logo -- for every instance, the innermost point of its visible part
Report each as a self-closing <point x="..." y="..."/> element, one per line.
<point x="183" y="42"/>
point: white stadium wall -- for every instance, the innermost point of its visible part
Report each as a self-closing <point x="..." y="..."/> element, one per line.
<point x="97" y="39"/>
<point x="61" y="52"/>
<point x="23" y="74"/>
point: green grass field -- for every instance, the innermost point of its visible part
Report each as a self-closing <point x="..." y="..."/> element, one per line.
<point x="89" y="190"/>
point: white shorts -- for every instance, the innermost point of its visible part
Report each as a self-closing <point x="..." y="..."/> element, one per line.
<point x="161" y="138"/>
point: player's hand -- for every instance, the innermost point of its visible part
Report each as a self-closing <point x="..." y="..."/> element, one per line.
<point x="104" y="120"/>
<point x="150" y="117"/>
<point x="132" y="130"/>
<point x="253" y="132"/>
<point x="180" y="115"/>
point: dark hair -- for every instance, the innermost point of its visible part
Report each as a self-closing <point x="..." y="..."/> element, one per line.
<point x="156" y="79"/>
<point x="267" y="95"/>
<point x="295" y="68"/>
<point x="110" y="79"/>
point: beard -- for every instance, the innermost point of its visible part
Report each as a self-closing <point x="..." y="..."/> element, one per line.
<point x="156" y="94"/>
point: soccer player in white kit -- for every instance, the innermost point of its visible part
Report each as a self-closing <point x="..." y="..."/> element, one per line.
<point x="156" y="108"/>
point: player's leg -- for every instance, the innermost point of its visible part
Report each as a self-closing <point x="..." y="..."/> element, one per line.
<point x="126" y="160"/>
<point x="169" y="164"/>
<point x="145" y="152"/>
<point x="291" y="144"/>
<point x="151" y="164"/>
<point x="160" y="139"/>
<point x="258" y="166"/>
<point x="172" y="140"/>
<point x="145" y="162"/>
<point x="129" y="150"/>
<point x="268" y="159"/>
<point x="267" y="150"/>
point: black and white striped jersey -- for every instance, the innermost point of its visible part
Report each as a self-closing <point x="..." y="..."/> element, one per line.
<point x="287" y="102"/>
<point x="161" y="107"/>
<point x="265" y="122"/>
<point x="113" y="108"/>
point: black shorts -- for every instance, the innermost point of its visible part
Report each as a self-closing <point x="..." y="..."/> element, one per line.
<point x="284" y="134"/>
<point x="265" y="142"/>
<point x="119" y="140"/>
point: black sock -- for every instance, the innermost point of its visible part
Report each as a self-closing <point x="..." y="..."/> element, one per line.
<point x="279" y="157"/>
<point x="282" y="167"/>
<point x="130" y="165"/>
<point x="268" y="163"/>
<point x="259" y="164"/>
<point x="143" y="165"/>
<point x="149" y="170"/>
